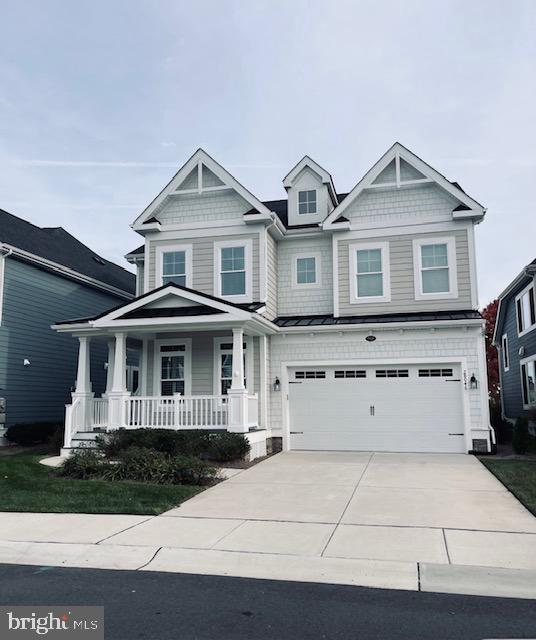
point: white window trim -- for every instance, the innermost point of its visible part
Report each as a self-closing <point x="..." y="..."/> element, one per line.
<point x="161" y="249"/>
<point x="386" y="272"/>
<point x="157" y="368"/>
<point x="2" y="272"/>
<point x="504" y="347"/>
<point x="521" y="363"/>
<point x="450" y="241"/>
<point x="248" y="253"/>
<point x="518" y="297"/>
<point x="310" y="213"/>
<point x="318" y="273"/>
<point x="248" y="371"/>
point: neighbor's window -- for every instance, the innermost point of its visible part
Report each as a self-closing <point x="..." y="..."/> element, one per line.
<point x="306" y="270"/>
<point x="526" y="314"/>
<point x="505" y="354"/>
<point x="307" y="201"/>
<point x="435" y="268"/>
<point x="528" y="380"/>
<point x="174" y="267"/>
<point x="233" y="271"/>
<point x="369" y="273"/>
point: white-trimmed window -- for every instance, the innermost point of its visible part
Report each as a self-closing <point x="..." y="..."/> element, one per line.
<point x="223" y="364"/>
<point x="528" y="382"/>
<point x="525" y="310"/>
<point x="2" y="270"/>
<point x="434" y="262"/>
<point x="307" y="202"/>
<point x="173" y="362"/>
<point x="504" y="352"/>
<point x="306" y="270"/>
<point x="175" y="265"/>
<point x="369" y="272"/>
<point x="232" y="270"/>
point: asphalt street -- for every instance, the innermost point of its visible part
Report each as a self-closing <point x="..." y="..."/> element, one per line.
<point x="182" y="606"/>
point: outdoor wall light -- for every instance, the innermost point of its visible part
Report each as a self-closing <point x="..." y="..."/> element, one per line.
<point x="26" y="362"/>
<point x="277" y="385"/>
<point x="473" y="382"/>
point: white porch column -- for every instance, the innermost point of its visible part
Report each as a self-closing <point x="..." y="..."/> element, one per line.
<point x="237" y="394"/>
<point x="82" y="394"/>
<point x="118" y="392"/>
<point x="110" y="369"/>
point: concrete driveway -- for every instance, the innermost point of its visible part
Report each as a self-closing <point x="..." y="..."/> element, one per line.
<point x="436" y="508"/>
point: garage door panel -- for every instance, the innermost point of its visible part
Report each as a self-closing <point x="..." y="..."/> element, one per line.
<point x="376" y="412"/>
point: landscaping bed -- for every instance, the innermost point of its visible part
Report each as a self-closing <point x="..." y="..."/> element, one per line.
<point x="518" y="476"/>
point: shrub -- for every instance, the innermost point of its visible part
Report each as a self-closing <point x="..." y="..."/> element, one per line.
<point x="31" y="432"/>
<point x="83" y="464"/>
<point x="223" y="447"/>
<point x="219" y="446"/>
<point x="146" y="465"/>
<point x="520" y="436"/>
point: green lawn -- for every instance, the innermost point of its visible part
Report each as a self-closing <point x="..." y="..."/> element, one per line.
<point x="26" y="485"/>
<point x="517" y="475"/>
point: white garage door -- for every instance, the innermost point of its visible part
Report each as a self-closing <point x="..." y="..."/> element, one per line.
<point x="377" y="408"/>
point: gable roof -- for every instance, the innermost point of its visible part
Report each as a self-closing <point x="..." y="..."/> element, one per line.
<point x="324" y="175"/>
<point x="397" y="153"/>
<point x="195" y="165"/>
<point x="58" y="246"/>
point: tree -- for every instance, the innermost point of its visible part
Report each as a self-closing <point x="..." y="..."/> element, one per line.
<point x="492" y="357"/>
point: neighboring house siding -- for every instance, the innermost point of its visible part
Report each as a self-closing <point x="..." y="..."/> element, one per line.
<point x="211" y="206"/>
<point x="427" y="203"/>
<point x="203" y="261"/>
<point x="511" y="390"/>
<point x="33" y="300"/>
<point x="292" y="300"/>
<point x="271" y="277"/>
<point x="401" y="275"/>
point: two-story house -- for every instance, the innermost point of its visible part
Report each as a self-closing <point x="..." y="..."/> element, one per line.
<point x="515" y="340"/>
<point x="326" y="320"/>
<point x="46" y="273"/>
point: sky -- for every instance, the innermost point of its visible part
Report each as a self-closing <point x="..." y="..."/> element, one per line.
<point x="102" y="101"/>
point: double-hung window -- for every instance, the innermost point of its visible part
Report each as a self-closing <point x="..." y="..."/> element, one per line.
<point x="232" y="275"/>
<point x="305" y="270"/>
<point x="504" y="352"/>
<point x="435" y="268"/>
<point x="175" y="265"/>
<point x="307" y="202"/>
<point x="369" y="272"/>
<point x="525" y="309"/>
<point x="528" y="382"/>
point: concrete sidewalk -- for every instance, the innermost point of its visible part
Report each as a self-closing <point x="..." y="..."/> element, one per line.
<point x="403" y="521"/>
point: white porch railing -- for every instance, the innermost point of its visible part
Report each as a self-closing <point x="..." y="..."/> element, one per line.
<point x="99" y="412"/>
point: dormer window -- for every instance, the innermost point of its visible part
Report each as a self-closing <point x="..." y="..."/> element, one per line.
<point x="307" y="202"/>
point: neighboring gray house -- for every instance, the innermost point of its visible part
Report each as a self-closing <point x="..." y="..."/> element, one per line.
<point x="46" y="274"/>
<point x="327" y="321"/>
<point x="515" y="339"/>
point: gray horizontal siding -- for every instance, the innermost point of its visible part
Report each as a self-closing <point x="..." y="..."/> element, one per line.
<point x="33" y="300"/>
<point x="402" y="282"/>
<point x="203" y="260"/>
<point x="205" y="207"/>
<point x="272" y="273"/>
<point x="511" y="390"/>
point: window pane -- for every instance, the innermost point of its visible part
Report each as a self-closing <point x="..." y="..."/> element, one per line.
<point x="174" y="262"/>
<point x="369" y="261"/>
<point x="435" y="281"/>
<point x="434" y="255"/>
<point x="176" y="279"/>
<point x="169" y="388"/>
<point x="307" y="201"/>
<point x="227" y="366"/>
<point x="233" y="284"/>
<point x="525" y="304"/>
<point x="369" y="285"/>
<point x="306" y="270"/>
<point x="531" y="382"/>
<point x="172" y="367"/>
<point x="232" y="259"/>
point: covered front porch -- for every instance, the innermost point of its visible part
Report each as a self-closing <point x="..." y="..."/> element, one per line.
<point x="186" y="369"/>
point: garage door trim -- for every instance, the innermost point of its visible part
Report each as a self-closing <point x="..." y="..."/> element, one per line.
<point x="286" y="365"/>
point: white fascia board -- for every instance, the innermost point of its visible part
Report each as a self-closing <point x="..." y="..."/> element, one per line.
<point x="200" y="156"/>
<point x="66" y="271"/>
<point x="399" y="151"/>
